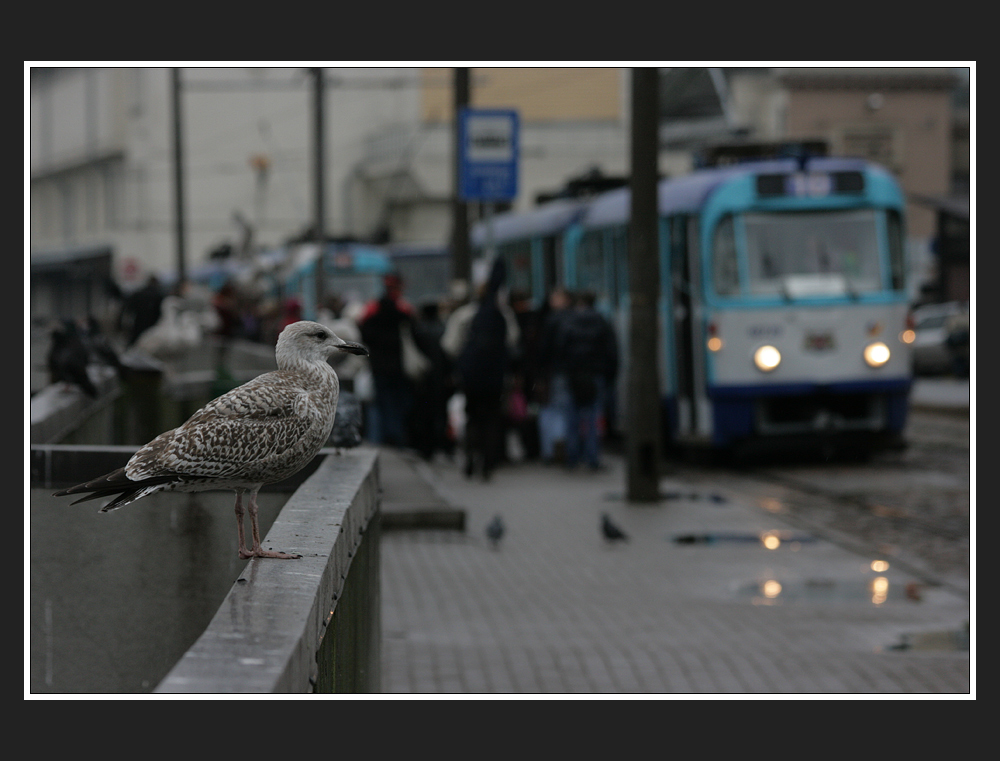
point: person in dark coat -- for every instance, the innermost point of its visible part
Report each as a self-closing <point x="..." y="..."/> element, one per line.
<point x="429" y="421"/>
<point x="522" y="403"/>
<point x="381" y="324"/>
<point x="551" y="387"/>
<point x="142" y="309"/>
<point x="482" y="367"/>
<point x="587" y="349"/>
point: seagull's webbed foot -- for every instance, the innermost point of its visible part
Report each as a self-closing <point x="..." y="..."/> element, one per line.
<point x="256" y="551"/>
<point x="260" y="552"/>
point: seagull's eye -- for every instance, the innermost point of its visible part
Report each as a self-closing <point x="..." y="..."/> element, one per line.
<point x="319" y="334"/>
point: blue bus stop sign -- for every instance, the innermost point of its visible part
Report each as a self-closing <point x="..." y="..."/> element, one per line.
<point x="488" y="139"/>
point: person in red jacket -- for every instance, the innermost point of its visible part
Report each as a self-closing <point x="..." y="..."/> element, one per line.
<point x="381" y="324"/>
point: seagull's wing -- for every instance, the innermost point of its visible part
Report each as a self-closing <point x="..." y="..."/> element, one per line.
<point x="248" y="433"/>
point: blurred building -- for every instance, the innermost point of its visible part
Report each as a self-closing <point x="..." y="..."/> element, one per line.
<point x="101" y="146"/>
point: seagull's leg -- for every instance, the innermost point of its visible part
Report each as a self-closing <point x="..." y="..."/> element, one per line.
<point x="241" y="547"/>
<point x="258" y="551"/>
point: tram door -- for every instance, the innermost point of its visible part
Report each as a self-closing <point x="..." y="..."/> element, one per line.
<point x="551" y="263"/>
<point x="682" y="230"/>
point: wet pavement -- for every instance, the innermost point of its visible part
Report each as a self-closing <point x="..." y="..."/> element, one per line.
<point x="711" y="593"/>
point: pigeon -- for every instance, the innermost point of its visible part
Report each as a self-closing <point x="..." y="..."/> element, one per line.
<point x="259" y="433"/>
<point x="495" y="530"/>
<point x="347" y="423"/>
<point x="100" y="349"/>
<point x="611" y="532"/>
<point x="68" y="358"/>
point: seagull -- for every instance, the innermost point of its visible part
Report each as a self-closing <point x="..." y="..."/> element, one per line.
<point x="611" y="532"/>
<point x="259" y="433"/>
<point x="494" y="531"/>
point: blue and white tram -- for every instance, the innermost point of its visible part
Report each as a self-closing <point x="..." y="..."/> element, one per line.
<point x="782" y="305"/>
<point x="783" y="300"/>
<point x="537" y="245"/>
<point x="353" y="271"/>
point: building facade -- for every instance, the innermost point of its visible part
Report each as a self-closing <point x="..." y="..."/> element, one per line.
<point x="102" y="167"/>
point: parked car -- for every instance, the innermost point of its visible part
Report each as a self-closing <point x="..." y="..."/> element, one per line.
<point x="933" y="324"/>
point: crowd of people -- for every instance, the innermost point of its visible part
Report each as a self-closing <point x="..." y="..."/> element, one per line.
<point x="484" y="378"/>
<point x="489" y="380"/>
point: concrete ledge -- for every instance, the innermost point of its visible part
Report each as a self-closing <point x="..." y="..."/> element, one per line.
<point x="58" y="409"/>
<point x="403" y="518"/>
<point x="266" y="635"/>
<point x="409" y="501"/>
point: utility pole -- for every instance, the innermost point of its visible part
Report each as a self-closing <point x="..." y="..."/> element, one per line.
<point x="319" y="223"/>
<point x="175" y="98"/>
<point x="643" y="432"/>
<point x="318" y="158"/>
<point x="461" y="265"/>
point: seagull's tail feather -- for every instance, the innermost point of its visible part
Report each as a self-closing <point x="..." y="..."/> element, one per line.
<point x="117" y="483"/>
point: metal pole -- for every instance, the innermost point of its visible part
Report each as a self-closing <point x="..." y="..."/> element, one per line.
<point x="461" y="258"/>
<point x="643" y="431"/>
<point x="319" y="218"/>
<point x="175" y="79"/>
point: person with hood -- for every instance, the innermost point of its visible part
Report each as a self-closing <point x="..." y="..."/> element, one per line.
<point x="481" y="337"/>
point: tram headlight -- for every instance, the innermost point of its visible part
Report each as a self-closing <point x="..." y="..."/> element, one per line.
<point x="876" y="354"/>
<point x="766" y="358"/>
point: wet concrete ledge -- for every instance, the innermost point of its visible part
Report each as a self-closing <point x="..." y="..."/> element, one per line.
<point x="408" y="500"/>
<point x="306" y="625"/>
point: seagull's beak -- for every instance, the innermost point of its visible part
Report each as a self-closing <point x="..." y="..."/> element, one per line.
<point x="352" y="348"/>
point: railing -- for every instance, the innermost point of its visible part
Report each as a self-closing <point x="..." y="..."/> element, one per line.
<point x="307" y="625"/>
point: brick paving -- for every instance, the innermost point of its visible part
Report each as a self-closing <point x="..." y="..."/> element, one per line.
<point x="556" y="610"/>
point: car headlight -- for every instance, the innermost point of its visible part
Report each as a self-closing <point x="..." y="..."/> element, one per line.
<point x="766" y="358"/>
<point x="876" y="354"/>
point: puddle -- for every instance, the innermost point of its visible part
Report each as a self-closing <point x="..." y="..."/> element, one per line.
<point x="664" y="496"/>
<point x="874" y="591"/>
<point x="952" y="641"/>
<point x="770" y="540"/>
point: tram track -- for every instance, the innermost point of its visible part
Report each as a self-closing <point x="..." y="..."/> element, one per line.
<point x="911" y="504"/>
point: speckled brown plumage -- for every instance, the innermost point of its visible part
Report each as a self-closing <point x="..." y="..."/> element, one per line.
<point x="259" y="433"/>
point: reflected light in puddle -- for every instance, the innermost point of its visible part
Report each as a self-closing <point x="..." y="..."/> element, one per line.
<point x="880" y="590"/>
<point x="770" y="589"/>
<point x="880" y="566"/>
<point x="769" y="540"/>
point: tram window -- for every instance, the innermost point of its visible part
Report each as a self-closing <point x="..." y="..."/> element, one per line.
<point x="725" y="270"/>
<point x="812" y="253"/>
<point x="590" y="264"/>
<point x="518" y="258"/>
<point x="553" y="257"/>
<point x="619" y="250"/>
<point x="897" y="263"/>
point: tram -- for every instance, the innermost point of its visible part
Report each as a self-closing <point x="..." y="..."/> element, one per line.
<point x="353" y="271"/>
<point x="782" y="310"/>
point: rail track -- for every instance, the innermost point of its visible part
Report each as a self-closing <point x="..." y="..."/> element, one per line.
<point x="912" y="504"/>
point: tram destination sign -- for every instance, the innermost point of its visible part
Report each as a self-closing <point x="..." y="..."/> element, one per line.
<point x="488" y="139"/>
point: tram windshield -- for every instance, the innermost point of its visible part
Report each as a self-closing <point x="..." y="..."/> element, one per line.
<point x="797" y="255"/>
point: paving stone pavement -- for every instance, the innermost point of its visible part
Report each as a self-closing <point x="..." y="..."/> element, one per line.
<point x="555" y="609"/>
